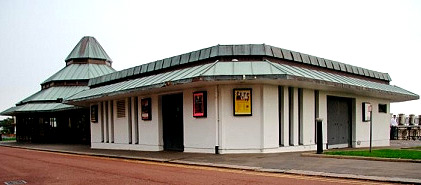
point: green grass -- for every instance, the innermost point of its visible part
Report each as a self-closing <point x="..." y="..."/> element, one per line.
<point x="380" y="153"/>
<point x="9" y="139"/>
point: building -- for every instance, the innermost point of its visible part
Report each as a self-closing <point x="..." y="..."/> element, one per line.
<point x="42" y="117"/>
<point x="239" y="99"/>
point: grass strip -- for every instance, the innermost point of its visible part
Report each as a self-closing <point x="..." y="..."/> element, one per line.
<point x="9" y="139"/>
<point x="380" y="153"/>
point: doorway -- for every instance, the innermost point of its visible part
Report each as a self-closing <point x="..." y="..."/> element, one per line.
<point x="172" y="121"/>
<point x="339" y="122"/>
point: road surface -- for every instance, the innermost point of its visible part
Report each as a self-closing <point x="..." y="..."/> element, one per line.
<point x="37" y="167"/>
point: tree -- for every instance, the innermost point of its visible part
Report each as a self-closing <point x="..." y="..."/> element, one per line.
<point x="8" y="127"/>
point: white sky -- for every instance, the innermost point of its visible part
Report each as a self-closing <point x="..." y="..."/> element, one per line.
<point x="36" y="36"/>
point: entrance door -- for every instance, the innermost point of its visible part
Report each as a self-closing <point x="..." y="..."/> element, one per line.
<point x="338" y="122"/>
<point x="172" y="119"/>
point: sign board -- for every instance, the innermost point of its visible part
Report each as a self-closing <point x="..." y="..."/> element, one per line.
<point x="94" y="113"/>
<point x="366" y="111"/>
<point x="242" y="102"/>
<point x="199" y="104"/>
<point x="146" y="109"/>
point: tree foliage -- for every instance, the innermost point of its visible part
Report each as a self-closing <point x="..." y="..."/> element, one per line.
<point x="7" y="125"/>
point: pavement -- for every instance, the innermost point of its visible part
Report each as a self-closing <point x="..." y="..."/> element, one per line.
<point x="288" y="163"/>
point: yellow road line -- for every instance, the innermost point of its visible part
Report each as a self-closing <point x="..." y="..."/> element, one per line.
<point x="227" y="170"/>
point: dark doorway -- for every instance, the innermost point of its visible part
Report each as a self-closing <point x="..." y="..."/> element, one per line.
<point x="339" y="122"/>
<point x="172" y="119"/>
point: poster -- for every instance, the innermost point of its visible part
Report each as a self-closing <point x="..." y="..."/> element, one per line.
<point x="199" y="104"/>
<point x="94" y="113"/>
<point x="242" y="102"/>
<point x="366" y="111"/>
<point x="146" y="111"/>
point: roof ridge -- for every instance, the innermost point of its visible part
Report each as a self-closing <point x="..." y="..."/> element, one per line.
<point x="88" y="47"/>
<point x="209" y="67"/>
<point x="277" y="67"/>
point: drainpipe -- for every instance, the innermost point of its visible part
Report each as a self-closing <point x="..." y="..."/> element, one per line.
<point x="217" y="122"/>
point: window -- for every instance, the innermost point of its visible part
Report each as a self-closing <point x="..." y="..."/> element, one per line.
<point x="53" y="122"/>
<point x="121" y="108"/>
<point x="383" y="108"/>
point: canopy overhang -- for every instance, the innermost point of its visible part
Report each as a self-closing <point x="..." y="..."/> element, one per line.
<point x="251" y="72"/>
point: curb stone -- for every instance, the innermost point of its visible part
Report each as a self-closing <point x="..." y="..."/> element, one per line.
<point x="237" y="167"/>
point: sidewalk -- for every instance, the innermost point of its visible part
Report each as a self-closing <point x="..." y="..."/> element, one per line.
<point x="291" y="163"/>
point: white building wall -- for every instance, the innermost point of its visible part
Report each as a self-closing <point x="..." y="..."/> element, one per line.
<point x="110" y="122"/>
<point x="361" y="130"/>
<point x="322" y="108"/>
<point x="200" y="133"/>
<point x="121" y="125"/>
<point x="96" y="127"/>
<point x="240" y="134"/>
<point x="308" y="118"/>
<point x="381" y="125"/>
<point x="294" y="117"/>
<point x="150" y="131"/>
<point x="270" y="117"/>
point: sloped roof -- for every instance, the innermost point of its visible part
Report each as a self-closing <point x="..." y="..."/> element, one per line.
<point x="80" y="72"/>
<point x="45" y="100"/>
<point x="52" y="93"/>
<point x="37" y="107"/>
<point x="249" y="71"/>
<point x="88" y="47"/>
<point x="240" y="50"/>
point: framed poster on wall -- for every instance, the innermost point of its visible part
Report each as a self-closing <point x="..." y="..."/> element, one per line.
<point x="94" y="113"/>
<point x="200" y="104"/>
<point x="242" y="102"/>
<point x="146" y="108"/>
<point x="366" y="111"/>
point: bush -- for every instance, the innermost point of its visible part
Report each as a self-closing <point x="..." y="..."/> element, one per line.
<point x="7" y="125"/>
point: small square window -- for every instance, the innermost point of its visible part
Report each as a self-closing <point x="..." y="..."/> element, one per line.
<point x="383" y="108"/>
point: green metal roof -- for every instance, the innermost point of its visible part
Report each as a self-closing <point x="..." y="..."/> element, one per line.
<point x="37" y="107"/>
<point x="239" y="50"/>
<point x="52" y="93"/>
<point x="88" y="47"/>
<point x="249" y="71"/>
<point x="45" y="100"/>
<point x="80" y="72"/>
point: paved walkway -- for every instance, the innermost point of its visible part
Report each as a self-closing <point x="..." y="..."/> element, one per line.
<point x="293" y="162"/>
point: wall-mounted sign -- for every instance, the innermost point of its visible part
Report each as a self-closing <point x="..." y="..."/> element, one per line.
<point x="242" y="102"/>
<point x="199" y="104"/>
<point x="94" y="113"/>
<point x="146" y="110"/>
<point x="366" y="111"/>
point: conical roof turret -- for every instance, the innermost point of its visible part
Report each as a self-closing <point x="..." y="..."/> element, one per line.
<point x="88" y="48"/>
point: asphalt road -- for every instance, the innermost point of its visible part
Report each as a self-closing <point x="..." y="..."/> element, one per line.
<point x="36" y="167"/>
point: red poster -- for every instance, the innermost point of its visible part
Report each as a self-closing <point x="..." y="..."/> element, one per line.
<point x="145" y="105"/>
<point x="199" y="104"/>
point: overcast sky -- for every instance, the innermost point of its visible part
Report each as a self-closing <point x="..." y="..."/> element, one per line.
<point x="36" y="36"/>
